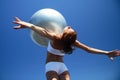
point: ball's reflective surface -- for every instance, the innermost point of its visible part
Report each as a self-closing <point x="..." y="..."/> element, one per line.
<point x="49" y="19"/>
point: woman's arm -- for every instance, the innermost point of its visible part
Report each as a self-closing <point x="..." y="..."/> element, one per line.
<point x="41" y="31"/>
<point x="110" y="54"/>
<point x="89" y="49"/>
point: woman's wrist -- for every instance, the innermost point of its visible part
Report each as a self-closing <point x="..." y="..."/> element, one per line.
<point x="107" y="52"/>
<point x="29" y="25"/>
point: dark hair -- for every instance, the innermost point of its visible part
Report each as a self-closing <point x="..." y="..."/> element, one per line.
<point x="68" y="40"/>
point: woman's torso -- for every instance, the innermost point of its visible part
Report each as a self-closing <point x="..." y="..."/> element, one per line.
<point x="52" y="56"/>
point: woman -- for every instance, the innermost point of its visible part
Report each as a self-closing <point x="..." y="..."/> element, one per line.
<point x="59" y="45"/>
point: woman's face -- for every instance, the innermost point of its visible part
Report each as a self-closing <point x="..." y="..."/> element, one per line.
<point x="68" y="29"/>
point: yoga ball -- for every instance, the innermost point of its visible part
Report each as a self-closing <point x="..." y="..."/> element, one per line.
<point x="49" y="19"/>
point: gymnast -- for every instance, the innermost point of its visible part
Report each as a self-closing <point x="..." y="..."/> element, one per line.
<point x="58" y="46"/>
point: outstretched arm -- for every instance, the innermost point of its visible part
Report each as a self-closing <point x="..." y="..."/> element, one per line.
<point x="41" y="31"/>
<point x="110" y="54"/>
<point x="89" y="49"/>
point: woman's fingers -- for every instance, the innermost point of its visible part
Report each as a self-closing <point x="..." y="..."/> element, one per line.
<point x="15" y="22"/>
<point x="21" y="24"/>
<point x="118" y="53"/>
<point x="17" y="27"/>
<point x="111" y="58"/>
<point x="17" y="19"/>
<point x="113" y="54"/>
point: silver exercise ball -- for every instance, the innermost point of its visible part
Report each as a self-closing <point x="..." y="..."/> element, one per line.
<point x="49" y="19"/>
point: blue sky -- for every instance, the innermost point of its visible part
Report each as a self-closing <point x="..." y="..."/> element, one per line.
<point x="97" y="23"/>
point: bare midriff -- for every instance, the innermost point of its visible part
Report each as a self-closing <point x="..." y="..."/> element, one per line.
<point x="53" y="58"/>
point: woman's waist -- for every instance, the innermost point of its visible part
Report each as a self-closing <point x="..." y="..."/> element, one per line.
<point x="52" y="57"/>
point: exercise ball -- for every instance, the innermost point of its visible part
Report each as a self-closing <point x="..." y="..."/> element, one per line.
<point x="49" y="19"/>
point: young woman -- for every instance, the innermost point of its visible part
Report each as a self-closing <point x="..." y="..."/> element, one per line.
<point x="58" y="46"/>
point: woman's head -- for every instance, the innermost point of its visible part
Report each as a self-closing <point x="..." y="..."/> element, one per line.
<point x="68" y="38"/>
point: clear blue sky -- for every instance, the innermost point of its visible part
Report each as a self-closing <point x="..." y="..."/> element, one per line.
<point x="97" y="23"/>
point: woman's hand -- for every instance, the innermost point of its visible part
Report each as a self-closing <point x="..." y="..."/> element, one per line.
<point x="21" y="24"/>
<point x="113" y="54"/>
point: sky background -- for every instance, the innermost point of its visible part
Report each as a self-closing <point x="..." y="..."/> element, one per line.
<point x="97" y="23"/>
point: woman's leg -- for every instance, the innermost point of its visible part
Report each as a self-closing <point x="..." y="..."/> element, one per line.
<point x="64" y="76"/>
<point x="52" y="75"/>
